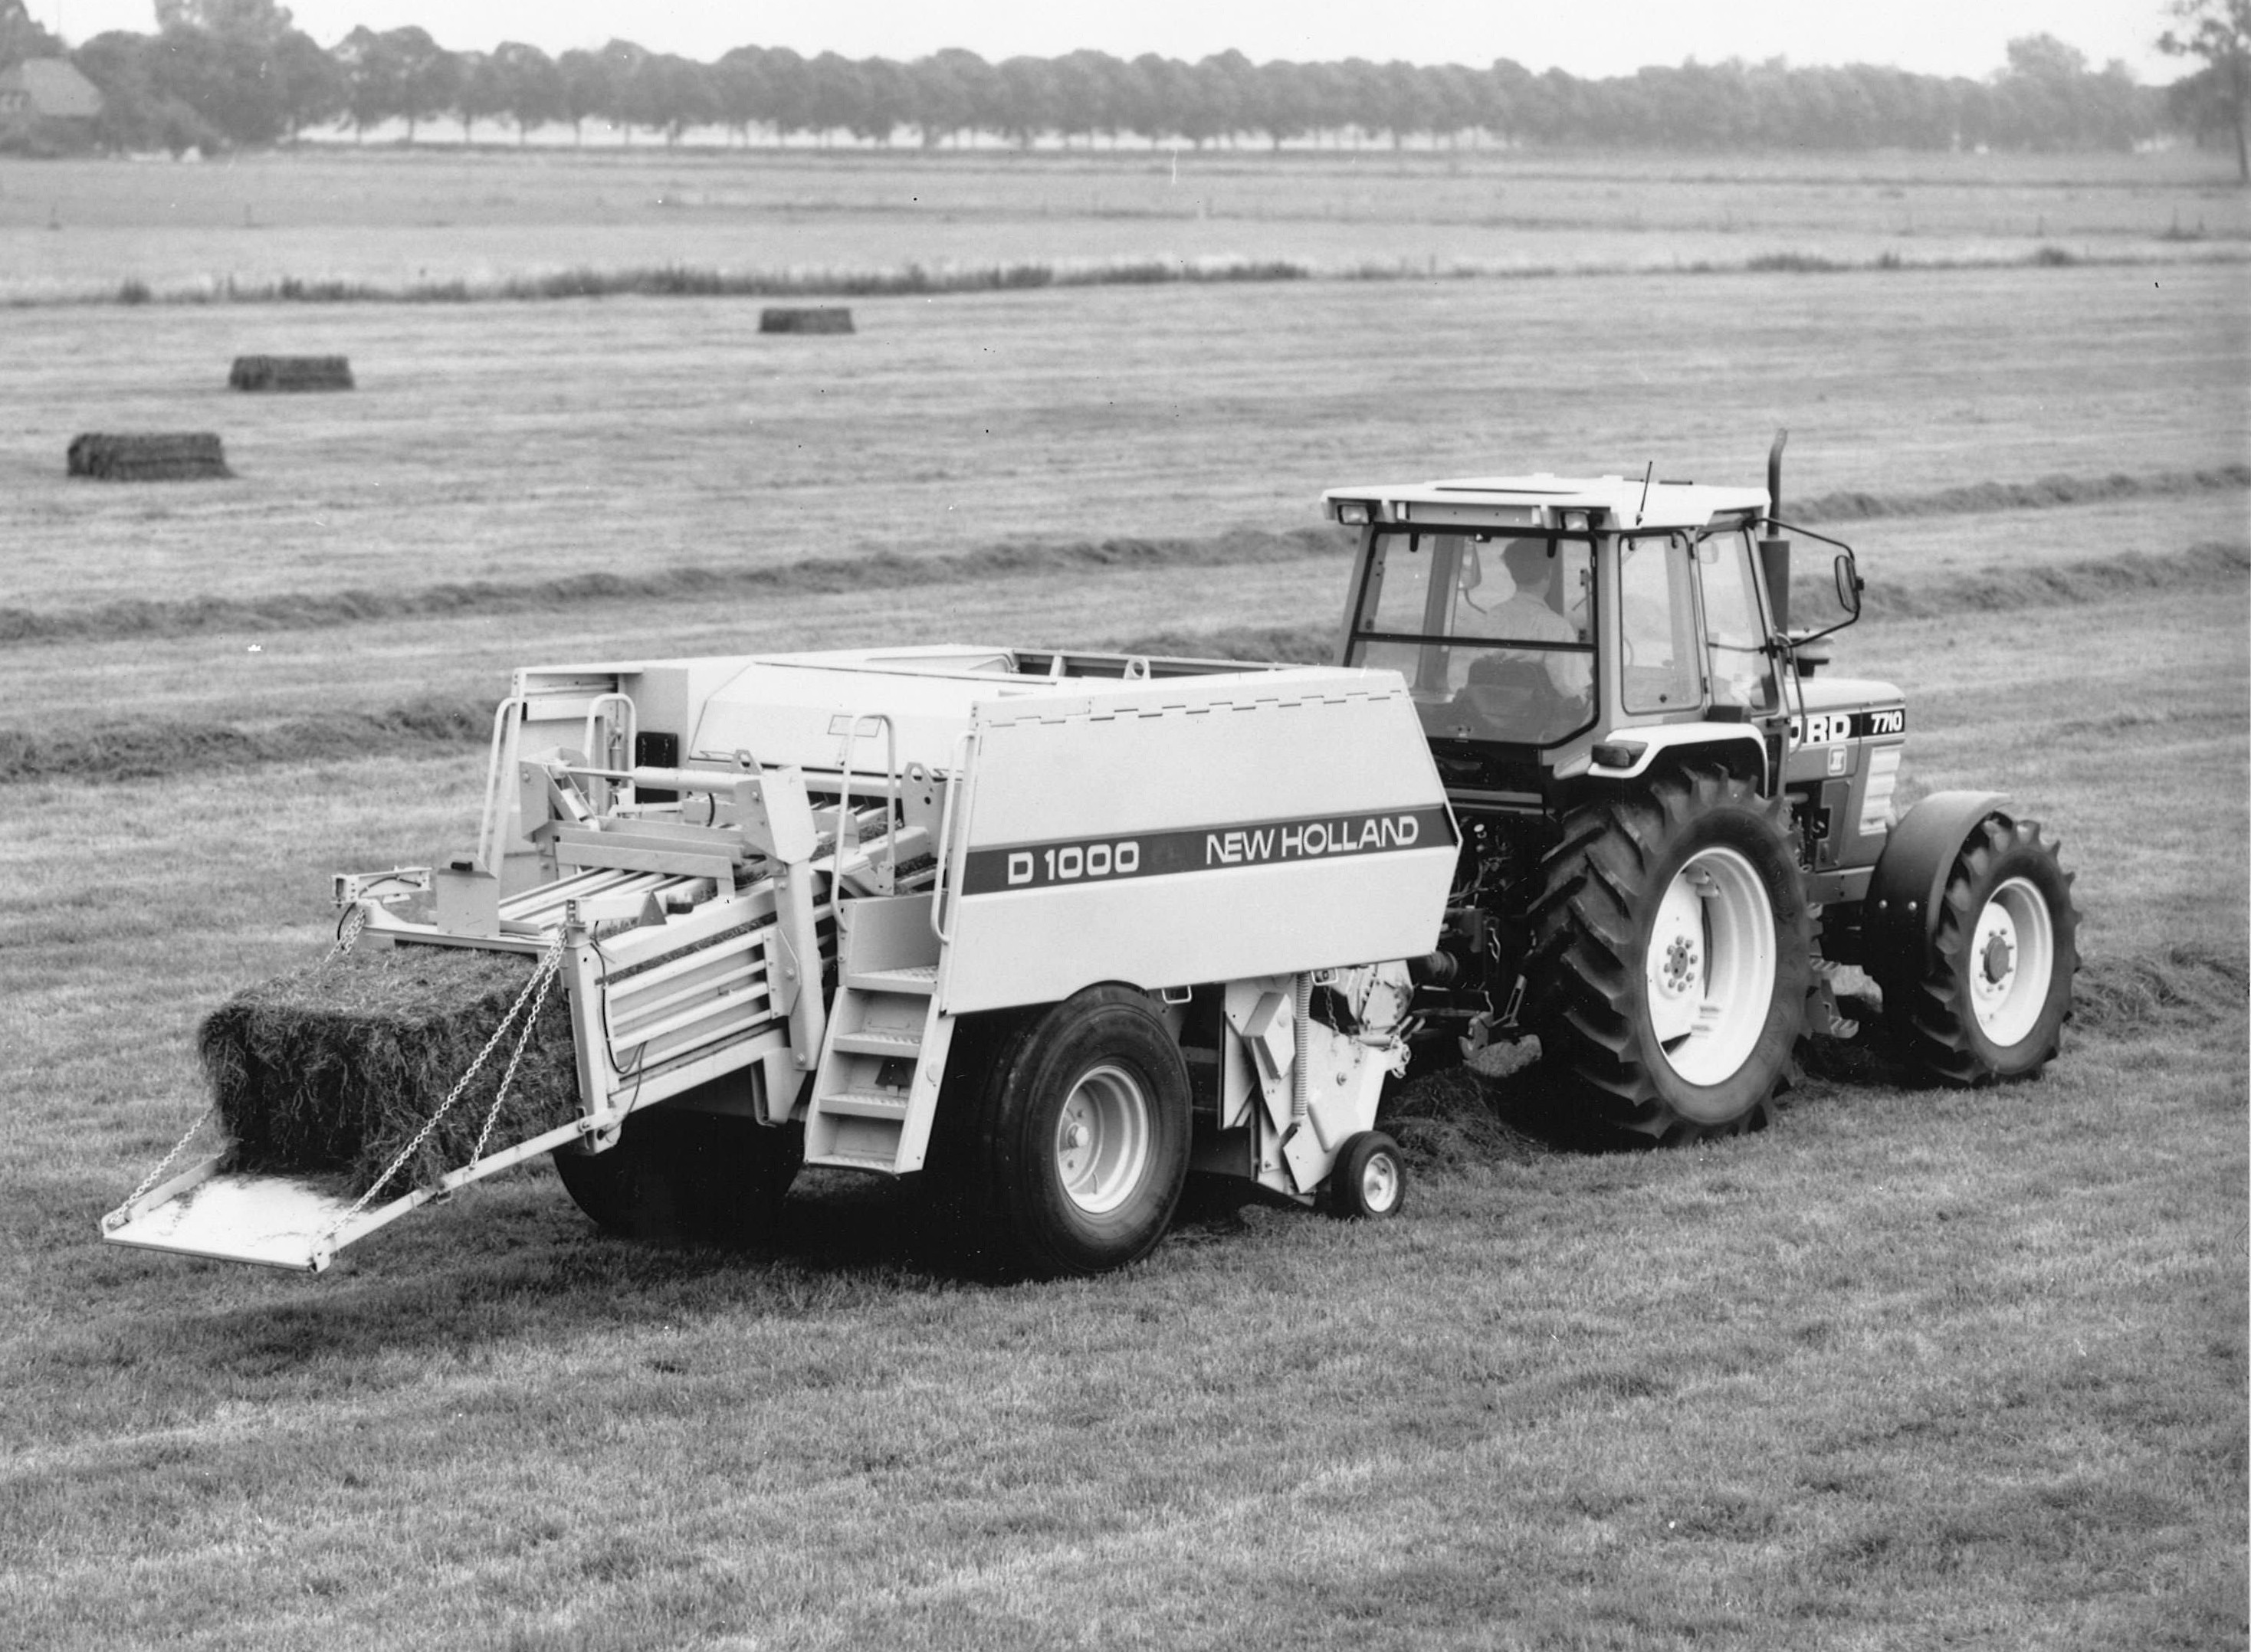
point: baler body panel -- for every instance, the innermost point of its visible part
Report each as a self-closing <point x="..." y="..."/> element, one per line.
<point x="1205" y="830"/>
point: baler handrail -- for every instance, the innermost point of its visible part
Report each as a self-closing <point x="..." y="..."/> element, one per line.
<point x="622" y="736"/>
<point x="848" y="824"/>
<point x="507" y="719"/>
<point x="955" y="785"/>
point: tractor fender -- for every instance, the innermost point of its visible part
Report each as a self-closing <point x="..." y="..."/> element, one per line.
<point x="1900" y="915"/>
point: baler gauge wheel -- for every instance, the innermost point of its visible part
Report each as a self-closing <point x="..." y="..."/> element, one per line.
<point x="1370" y="1182"/>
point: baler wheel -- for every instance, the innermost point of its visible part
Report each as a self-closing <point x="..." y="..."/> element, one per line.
<point x="1370" y="1182"/>
<point x="1671" y="959"/>
<point x="1997" y="992"/>
<point x="712" y="1177"/>
<point x="1081" y="1143"/>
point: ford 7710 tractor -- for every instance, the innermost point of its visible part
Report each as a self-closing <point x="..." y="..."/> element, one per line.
<point x="1053" y="930"/>
<point x="1674" y="830"/>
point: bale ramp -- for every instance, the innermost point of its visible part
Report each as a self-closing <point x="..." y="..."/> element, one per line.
<point x="177" y="456"/>
<point x="821" y="318"/>
<point x="290" y="373"/>
<point x="335" y="1069"/>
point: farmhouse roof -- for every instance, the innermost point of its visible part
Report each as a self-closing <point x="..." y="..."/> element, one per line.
<point x="51" y="87"/>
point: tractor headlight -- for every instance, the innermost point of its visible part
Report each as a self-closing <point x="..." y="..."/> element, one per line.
<point x="1352" y="513"/>
<point x="1876" y="802"/>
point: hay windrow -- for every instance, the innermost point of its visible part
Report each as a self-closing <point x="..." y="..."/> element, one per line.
<point x="336" y="1067"/>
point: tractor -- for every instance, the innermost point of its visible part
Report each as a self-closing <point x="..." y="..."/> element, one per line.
<point x="1680" y="849"/>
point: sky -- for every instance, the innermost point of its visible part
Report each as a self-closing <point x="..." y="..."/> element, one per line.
<point x="1587" y="38"/>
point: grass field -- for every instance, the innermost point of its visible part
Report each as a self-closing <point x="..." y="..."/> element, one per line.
<point x="1911" y="1368"/>
<point x="396" y="218"/>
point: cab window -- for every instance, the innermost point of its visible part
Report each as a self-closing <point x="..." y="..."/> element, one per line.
<point x="1657" y="621"/>
<point x="1742" y="675"/>
<point x="1494" y="631"/>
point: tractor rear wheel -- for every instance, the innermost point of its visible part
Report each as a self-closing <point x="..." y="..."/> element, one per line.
<point x="713" y="1177"/>
<point x="1081" y="1143"/>
<point x="1670" y="958"/>
<point x="1993" y="1002"/>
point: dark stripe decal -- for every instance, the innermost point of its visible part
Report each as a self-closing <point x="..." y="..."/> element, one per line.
<point x="1217" y="848"/>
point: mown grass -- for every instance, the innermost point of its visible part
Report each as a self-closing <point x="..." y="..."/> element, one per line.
<point x="535" y="444"/>
<point x="305" y="609"/>
<point x="1910" y="1365"/>
<point x="151" y="741"/>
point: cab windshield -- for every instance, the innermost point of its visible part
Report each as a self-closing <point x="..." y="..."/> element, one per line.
<point x="1494" y="631"/>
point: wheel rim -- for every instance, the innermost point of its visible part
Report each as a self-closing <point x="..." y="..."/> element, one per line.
<point x="1102" y="1141"/>
<point x="1379" y="1184"/>
<point x="1711" y="966"/>
<point x="2012" y="961"/>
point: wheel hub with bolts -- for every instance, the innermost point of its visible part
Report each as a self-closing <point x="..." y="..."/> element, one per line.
<point x="2013" y="954"/>
<point x="1102" y="1139"/>
<point x="1711" y="965"/>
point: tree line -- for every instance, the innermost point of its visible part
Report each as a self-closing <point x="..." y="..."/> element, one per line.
<point x="238" y="73"/>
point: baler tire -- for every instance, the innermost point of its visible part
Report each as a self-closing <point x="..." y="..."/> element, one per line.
<point x="1993" y="1002"/>
<point x="1080" y="1148"/>
<point x="1369" y="1181"/>
<point x="1651" y="898"/>
<point x="674" y="1174"/>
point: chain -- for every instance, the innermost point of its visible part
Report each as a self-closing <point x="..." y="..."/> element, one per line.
<point x="546" y="978"/>
<point x="536" y="986"/>
<point x="348" y="931"/>
<point x="149" y="1180"/>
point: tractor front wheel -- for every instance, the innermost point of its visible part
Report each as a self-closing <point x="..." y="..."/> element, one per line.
<point x="1991" y="1002"/>
<point x="1671" y="959"/>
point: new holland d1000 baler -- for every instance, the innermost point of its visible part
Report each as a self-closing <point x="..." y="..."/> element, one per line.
<point x="1056" y="928"/>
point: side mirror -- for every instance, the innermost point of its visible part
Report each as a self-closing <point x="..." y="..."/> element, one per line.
<point x="1849" y="585"/>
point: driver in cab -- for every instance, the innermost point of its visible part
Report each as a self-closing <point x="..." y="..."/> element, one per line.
<point x="1529" y="613"/>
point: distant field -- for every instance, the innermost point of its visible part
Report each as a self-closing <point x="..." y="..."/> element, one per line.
<point x="1910" y="1368"/>
<point x="520" y="442"/>
<point x="395" y="216"/>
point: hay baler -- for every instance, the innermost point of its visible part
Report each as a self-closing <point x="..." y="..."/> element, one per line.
<point x="1052" y="928"/>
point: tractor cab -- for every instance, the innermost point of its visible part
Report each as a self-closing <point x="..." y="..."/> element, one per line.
<point x="1552" y="628"/>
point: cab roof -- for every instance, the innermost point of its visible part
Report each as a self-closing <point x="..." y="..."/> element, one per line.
<point x="1611" y="503"/>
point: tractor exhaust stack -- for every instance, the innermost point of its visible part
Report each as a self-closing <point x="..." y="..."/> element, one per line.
<point x="1774" y="551"/>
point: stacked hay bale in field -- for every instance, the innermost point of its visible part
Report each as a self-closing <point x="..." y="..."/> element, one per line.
<point x="179" y="456"/>
<point x="335" y="1069"/>
<point x="827" y="318"/>
<point x="290" y="373"/>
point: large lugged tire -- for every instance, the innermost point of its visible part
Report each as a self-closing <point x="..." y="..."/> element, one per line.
<point x="1997" y="992"/>
<point x="1081" y="1143"/>
<point x="1670" y="958"/>
<point x="674" y="1174"/>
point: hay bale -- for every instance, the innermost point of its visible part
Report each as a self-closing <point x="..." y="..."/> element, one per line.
<point x="290" y="373"/>
<point x="824" y="318"/>
<point x="336" y="1067"/>
<point x="180" y="456"/>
